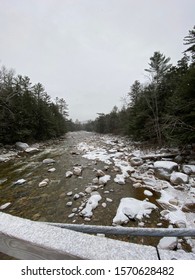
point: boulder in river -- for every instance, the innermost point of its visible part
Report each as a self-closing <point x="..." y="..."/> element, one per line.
<point x="136" y="161"/>
<point x="44" y="183"/>
<point x="188" y="169"/>
<point x="77" y="171"/>
<point x="20" y="182"/>
<point x="69" y="174"/>
<point x="4" y="206"/>
<point x="163" y="169"/>
<point x="48" y="161"/>
<point x="178" y="178"/>
<point x="168" y="243"/>
<point x="21" y="146"/>
<point x="92" y="203"/>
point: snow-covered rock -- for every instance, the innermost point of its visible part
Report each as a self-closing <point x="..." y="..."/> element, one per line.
<point x="44" y="183"/>
<point x="149" y="181"/>
<point x="131" y="208"/>
<point x="68" y="174"/>
<point x="148" y="193"/>
<point x="89" y="189"/>
<point x="100" y="173"/>
<point x="188" y="169"/>
<point x="69" y="203"/>
<point x="163" y="169"/>
<point x="21" y="146"/>
<point x="189" y="205"/>
<point x="91" y="204"/>
<point x="178" y="178"/>
<point x="137" y="185"/>
<point x="168" y="243"/>
<point x="176" y="217"/>
<point x="76" y="196"/>
<point x="119" y="179"/>
<point x="136" y="161"/>
<point x="103" y="180"/>
<point x="77" y="171"/>
<point x="4" y="206"/>
<point x="51" y="170"/>
<point x="20" y="182"/>
<point x="69" y="193"/>
<point x="48" y="161"/>
<point x="32" y="150"/>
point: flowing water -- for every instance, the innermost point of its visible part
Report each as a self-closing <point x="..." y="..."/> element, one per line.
<point x="48" y="204"/>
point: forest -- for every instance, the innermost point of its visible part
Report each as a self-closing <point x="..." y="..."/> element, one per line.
<point x="27" y="112"/>
<point x="162" y="110"/>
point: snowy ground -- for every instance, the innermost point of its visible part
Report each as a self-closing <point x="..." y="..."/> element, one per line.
<point x="174" y="181"/>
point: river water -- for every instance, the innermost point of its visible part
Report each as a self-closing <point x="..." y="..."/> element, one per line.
<point x="48" y="204"/>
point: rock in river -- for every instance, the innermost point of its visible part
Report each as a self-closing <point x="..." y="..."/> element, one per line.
<point x="163" y="169"/>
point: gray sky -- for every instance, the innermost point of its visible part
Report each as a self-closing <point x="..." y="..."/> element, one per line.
<point x="89" y="52"/>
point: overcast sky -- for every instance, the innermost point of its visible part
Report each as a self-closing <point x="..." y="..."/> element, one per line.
<point x="89" y="52"/>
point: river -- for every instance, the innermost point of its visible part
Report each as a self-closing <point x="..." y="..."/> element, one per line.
<point x="49" y="203"/>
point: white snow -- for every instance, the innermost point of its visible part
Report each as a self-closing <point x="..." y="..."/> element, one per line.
<point x="169" y="243"/>
<point x="92" y="203"/>
<point x="179" y="178"/>
<point x="119" y="179"/>
<point x="104" y="179"/>
<point x="20" y="182"/>
<point x="4" y="206"/>
<point x="148" y="193"/>
<point x="131" y="208"/>
<point x="165" y="164"/>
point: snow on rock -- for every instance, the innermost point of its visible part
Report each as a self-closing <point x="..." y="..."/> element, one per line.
<point x="48" y="161"/>
<point x="131" y="208"/>
<point x="148" y="193"/>
<point x="168" y="243"/>
<point x="124" y="166"/>
<point x="20" y="182"/>
<point x="21" y="146"/>
<point x="76" y="196"/>
<point x="77" y="171"/>
<point x="68" y="174"/>
<point x="91" y="204"/>
<point x="189" y="205"/>
<point x="51" y="170"/>
<point x="119" y="179"/>
<point x="136" y="161"/>
<point x="44" y="183"/>
<point x="32" y="150"/>
<point x="100" y="173"/>
<point x="90" y="189"/>
<point x="163" y="169"/>
<point x="98" y="154"/>
<point x="149" y="181"/>
<point x="69" y="193"/>
<point x="188" y="169"/>
<point x="69" y="203"/>
<point x="4" y="206"/>
<point x="178" y="178"/>
<point x="176" y="217"/>
<point x="103" y="180"/>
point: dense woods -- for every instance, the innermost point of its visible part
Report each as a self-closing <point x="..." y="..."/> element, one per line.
<point x="27" y="112"/>
<point x="162" y="110"/>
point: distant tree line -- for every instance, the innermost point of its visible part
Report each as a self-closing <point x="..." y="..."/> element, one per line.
<point x="161" y="110"/>
<point x="27" y="112"/>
